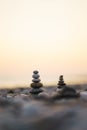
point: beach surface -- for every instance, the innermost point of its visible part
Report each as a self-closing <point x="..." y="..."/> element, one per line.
<point x="19" y="110"/>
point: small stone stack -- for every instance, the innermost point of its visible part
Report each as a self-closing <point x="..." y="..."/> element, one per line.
<point x="61" y="83"/>
<point x="64" y="90"/>
<point x="36" y="85"/>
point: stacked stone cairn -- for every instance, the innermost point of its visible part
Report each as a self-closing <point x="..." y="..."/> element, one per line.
<point x="36" y="85"/>
<point x="61" y="83"/>
<point x="65" y="90"/>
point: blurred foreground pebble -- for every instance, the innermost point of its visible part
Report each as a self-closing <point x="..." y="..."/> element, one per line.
<point x="38" y="115"/>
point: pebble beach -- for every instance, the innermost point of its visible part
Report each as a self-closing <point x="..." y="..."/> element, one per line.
<point x="20" y="110"/>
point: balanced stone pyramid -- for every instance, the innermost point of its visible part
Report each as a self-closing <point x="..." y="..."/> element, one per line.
<point x="36" y="85"/>
<point x="61" y="83"/>
<point x="65" y="91"/>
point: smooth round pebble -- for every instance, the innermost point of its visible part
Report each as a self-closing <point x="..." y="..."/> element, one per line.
<point x="83" y="95"/>
<point x="36" y="76"/>
<point x="43" y="95"/>
<point x="36" y="80"/>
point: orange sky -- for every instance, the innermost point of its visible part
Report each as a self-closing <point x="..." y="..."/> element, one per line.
<point x="48" y="35"/>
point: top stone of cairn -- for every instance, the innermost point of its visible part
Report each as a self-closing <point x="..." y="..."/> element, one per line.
<point x="35" y="75"/>
<point x="35" y="72"/>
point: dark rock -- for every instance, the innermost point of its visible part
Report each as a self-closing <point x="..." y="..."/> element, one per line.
<point x="86" y="89"/>
<point x="35" y="72"/>
<point x="11" y="91"/>
<point x="36" y="91"/>
<point x="68" y="92"/>
<point x="36" y="85"/>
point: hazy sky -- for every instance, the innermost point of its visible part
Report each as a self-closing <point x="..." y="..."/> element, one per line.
<point x="48" y="35"/>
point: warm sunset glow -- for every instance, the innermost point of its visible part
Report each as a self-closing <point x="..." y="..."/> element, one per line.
<point x="48" y="35"/>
